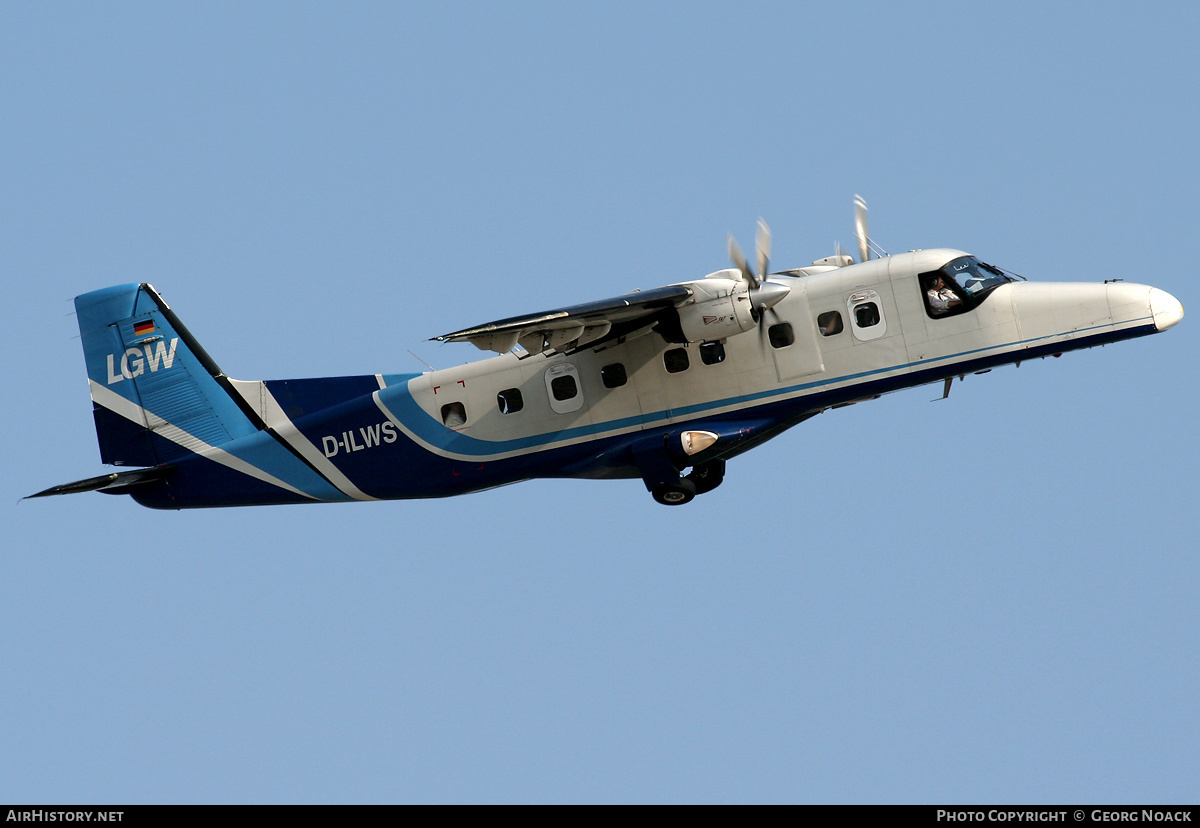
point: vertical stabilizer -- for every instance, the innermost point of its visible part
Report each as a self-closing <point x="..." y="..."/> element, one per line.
<point x="157" y="396"/>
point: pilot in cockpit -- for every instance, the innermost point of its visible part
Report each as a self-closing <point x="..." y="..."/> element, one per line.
<point x="941" y="298"/>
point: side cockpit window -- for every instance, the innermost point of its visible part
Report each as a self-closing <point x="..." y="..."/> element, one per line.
<point x="959" y="286"/>
<point x="941" y="299"/>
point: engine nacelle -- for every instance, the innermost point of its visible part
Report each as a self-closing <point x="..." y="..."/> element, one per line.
<point x="720" y="308"/>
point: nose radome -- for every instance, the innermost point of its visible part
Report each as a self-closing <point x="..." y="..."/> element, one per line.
<point x="1166" y="309"/>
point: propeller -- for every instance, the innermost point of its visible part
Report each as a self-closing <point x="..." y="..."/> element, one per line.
<point x="860" y="228"/>
<point x="763" y="294"/>
<point x="762" y="247"/>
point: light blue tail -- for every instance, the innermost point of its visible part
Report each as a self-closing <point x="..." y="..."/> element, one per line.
<point x="157" y="396"/>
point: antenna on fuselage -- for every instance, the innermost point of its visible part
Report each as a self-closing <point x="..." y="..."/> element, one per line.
<point x="418" y="359"/>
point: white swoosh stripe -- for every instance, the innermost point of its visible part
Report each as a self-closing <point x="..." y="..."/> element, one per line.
<point x="282" y="424"/>
<point x="133" y="412"/>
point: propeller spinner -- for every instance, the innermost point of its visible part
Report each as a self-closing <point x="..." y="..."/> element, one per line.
<point x="763" y="294"/>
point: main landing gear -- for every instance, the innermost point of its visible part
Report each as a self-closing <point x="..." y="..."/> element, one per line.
<point x="675" y="494"/>
<point x="707" y="476"/>
<point x="661" y="475"/>
<point x="702" y="478"/>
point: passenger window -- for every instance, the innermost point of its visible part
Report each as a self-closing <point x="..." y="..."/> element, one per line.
<point x="830" y="323"/>
<point x="454" y="415"/>
<point x="676" y="360"/>
<point x="866" y="310"/>
<point x="510" y="401"/>
<point x="562" y="386"/>
<point x="866" y="315"/>
<point x="613" y="376"/>
<point x="712" y="352"/>
<point x="781" y="335"/>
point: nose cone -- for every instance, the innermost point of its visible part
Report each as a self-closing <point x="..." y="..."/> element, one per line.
<point x="1166" y="309"/>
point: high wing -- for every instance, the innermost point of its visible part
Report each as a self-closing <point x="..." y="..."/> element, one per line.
<point x="566" y="330"/>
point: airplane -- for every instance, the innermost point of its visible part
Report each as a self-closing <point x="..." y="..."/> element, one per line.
<point x="663" y="385"/>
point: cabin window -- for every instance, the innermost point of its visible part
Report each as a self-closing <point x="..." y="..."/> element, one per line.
<point x="866" y="310"/>
<point x="830" y="323"/>
<point x="562" y="386"/>
<point x="712" y="352"/>
<point x="613" y="376"/>
<point x="676" y="360"/>
<point x="510" y="401"/>
<point x="866" y="315"/>
<point x="781" y="335"/>
<point x="454" y="415"/>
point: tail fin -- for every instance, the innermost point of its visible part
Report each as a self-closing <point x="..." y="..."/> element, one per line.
<point x="157" y="396"/>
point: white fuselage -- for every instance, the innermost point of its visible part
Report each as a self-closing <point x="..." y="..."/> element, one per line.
<point x="894" y="343"/>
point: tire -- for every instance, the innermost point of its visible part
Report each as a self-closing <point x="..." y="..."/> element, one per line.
<point x="676" y="493"/>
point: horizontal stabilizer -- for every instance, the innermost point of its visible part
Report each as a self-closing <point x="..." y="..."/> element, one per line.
<point x="115" y="483"/>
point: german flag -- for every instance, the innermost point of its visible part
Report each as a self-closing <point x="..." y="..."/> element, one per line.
<point x="141" y="328"/>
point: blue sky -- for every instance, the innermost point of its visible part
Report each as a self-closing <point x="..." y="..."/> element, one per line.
<point x="988" y="599"/>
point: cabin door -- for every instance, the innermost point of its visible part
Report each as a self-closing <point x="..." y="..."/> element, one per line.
<point x="802" y="357"/>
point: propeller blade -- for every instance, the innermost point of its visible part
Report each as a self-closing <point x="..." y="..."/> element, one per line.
<point x="763" y="326"/>
<point x="735" y="254"/>
<point x="860" y="228"/>
<point x="762" y="248"/>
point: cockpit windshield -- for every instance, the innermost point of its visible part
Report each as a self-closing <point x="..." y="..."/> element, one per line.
<point x="976" y="278"/>
<point x="960" y="285"/>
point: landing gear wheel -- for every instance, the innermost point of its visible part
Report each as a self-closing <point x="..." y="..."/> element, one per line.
<point x="676" y="493"/>
<point x="707" y="476"/>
